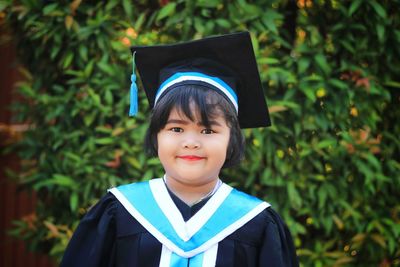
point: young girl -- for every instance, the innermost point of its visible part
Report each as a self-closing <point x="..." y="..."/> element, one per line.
<point x="202" y="93"/>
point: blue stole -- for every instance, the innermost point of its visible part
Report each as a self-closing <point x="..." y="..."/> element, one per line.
<point x="196" y="240"/>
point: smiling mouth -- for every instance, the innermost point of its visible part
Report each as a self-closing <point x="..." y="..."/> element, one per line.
<point x="191" y="158"/>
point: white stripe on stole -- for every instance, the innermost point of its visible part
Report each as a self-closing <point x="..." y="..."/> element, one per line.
<point x="205" y="259"/>
<point x="210" y="256"/>
<point x="186" y="230"/>
<point x="165" y="257"/>
<point x="168" y="207"/>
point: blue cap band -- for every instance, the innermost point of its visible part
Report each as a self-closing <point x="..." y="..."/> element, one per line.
<point x="216" y="82"/>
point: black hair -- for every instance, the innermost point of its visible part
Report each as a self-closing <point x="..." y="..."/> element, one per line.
<point x="209" y="103"/>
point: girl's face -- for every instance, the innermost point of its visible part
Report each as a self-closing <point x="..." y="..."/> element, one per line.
<point x="192" y="154"/>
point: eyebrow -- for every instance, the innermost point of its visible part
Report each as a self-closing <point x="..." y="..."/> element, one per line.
<point x="185" y="122"/>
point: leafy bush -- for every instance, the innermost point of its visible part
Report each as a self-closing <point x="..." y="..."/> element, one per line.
<point x="329" y="164"/>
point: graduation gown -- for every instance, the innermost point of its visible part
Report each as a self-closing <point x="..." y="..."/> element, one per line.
<point x="109" y="235"/>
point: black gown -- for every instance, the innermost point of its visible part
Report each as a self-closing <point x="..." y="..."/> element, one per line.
<point x="109" y="236"/>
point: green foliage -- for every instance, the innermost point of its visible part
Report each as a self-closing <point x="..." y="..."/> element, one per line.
<point x="329" y="164"/>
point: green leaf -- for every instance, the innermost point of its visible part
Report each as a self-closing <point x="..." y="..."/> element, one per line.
<point x="89" y="118"/>
<point x="378" y="8"/>
<point x="149" y="174"/>
<point x="354" y="6"/>
<point x="27" y="91"/>
<point x="322" y="63"/>
<point x="128" y="8"/>
<point x="153" y="161"/>
<point x="72" y="156"/>
<point x="57" y="179"/>
<point x="268" y="60"/>
<point x="293" y="195"/>
<point x="338" y="84"/>
<point x="4" y="5"/>
<point x="198" y="25"/>
<point x="303" y="64"/>
<point x="73" y="201"/>
<point x="104" y="66"/>
<point x="256" y="45"/>
<point x="54" y="51"/>
<point x="83" y="52"/>
<point x="223" y="23"/>
<point x="49" y="8"/>
<point x="251" y="11"/>
<point x="326" y="143"/>
<point x="309" y="92"/>
<point x="139" y="22"/>
<point x="373" y="161"/>
<point x="104" y="141"/>
<point x="347" y="45"/>
<point x="95" y="97"/>
<point x="64" y="180"/>
<point x="166" y="11"/>
<point x="68" y="59"/>
<point x="208" y="3"/>
<point x="322" y="196"/>
<point x="394" y="84"/>
<point x="111" y="5"/>
<point x="380" y="30"/>
<point x="89" y="68"/>
<point x="268" y="20"/>
<point x="108" y="97"/>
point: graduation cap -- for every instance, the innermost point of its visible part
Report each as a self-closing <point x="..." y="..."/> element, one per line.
<point x="225" y="63"/>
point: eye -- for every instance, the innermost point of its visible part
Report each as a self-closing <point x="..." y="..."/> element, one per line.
<point x="207" y="131"/>
<point x="176" y="129"/>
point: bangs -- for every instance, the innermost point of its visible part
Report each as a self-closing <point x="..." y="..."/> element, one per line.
<point x="196" y="102"/>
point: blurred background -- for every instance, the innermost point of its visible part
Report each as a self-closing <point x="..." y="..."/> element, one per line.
<point x="329" y="164"/>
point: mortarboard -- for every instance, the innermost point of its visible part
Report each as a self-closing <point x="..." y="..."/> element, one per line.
<point x="225" y="63"/>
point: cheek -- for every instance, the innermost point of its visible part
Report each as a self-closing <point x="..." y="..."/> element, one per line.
<point x="221" y="145"/>
<point x="165" y="144"/>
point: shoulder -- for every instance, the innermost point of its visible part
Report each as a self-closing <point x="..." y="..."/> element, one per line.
<point x="107" y="204"/>
<point x="267" y="222"/>
<point x="269" y="215"/>
<point x="274" y="226"/>
<point x="267" y="218"/>
<point x="254" y="231"/>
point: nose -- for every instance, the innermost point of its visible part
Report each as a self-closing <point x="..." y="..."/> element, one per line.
<point x="191" y="142"/>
